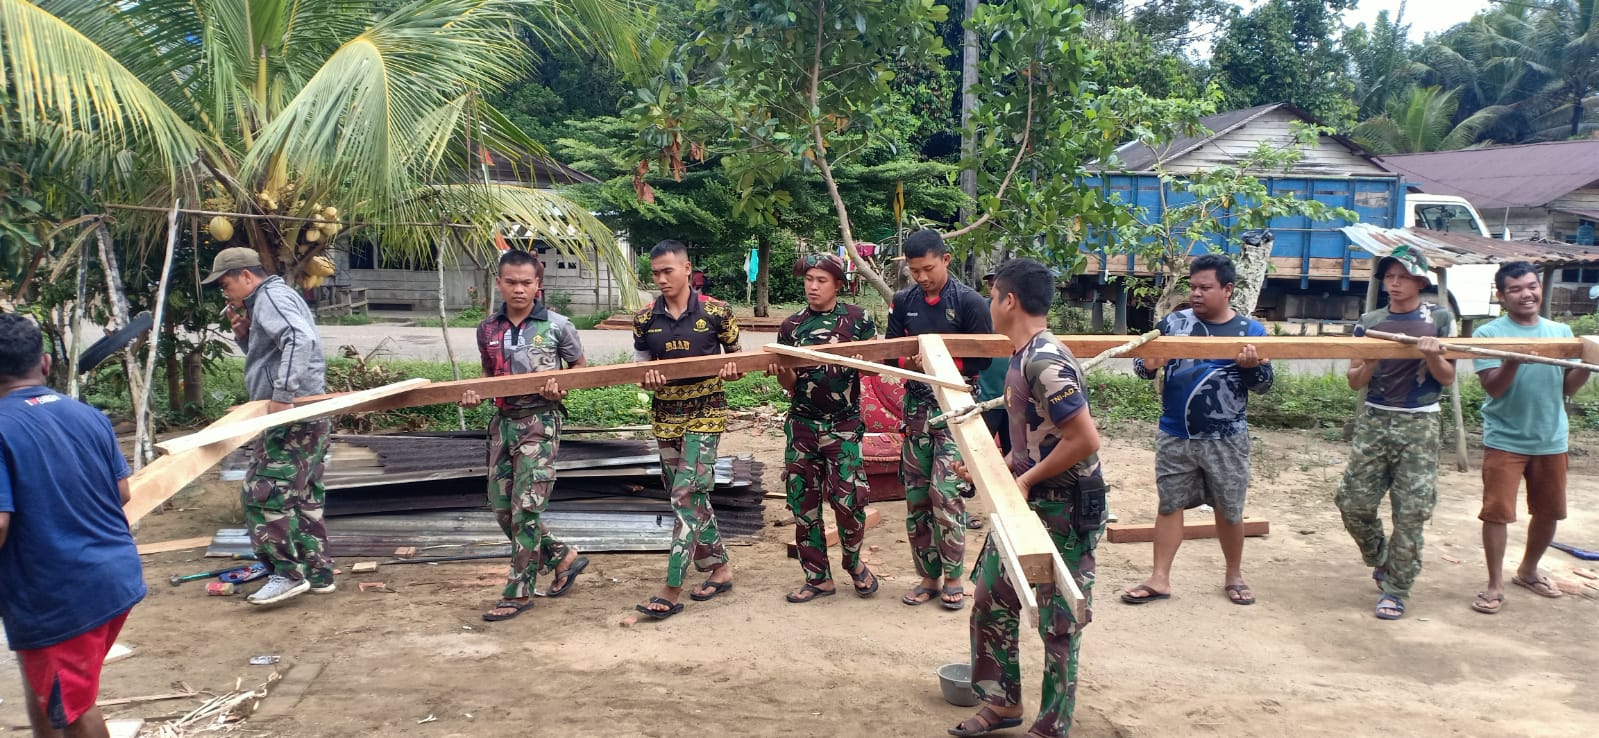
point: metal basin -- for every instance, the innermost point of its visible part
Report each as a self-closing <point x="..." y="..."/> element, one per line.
<point x="956" y="682"/>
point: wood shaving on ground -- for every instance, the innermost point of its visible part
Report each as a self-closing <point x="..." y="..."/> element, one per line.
<point x="219" y="714"/>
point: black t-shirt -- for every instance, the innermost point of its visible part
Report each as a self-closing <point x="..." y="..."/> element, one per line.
<point x="956" y="309"/>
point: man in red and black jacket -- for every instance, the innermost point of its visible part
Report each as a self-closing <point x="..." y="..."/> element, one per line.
<point x="525" y="337"/>
<point x="935" y="513"/>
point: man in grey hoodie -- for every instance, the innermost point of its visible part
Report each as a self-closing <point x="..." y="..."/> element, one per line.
<point x="283" y="491"/>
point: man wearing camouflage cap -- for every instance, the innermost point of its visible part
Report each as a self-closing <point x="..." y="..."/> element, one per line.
<point x="1394" y="451"/>
<point x="823" y="458"/>
<point x="283" y="493"/>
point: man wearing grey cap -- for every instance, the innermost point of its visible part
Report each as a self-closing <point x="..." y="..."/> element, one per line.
<point x="283" y="491"/>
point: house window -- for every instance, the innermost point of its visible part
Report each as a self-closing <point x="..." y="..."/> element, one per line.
<point x="1583" y="276"/>
<point x="363" y="254"/>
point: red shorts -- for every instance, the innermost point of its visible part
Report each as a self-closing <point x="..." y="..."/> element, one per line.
<point x="1502" y="472"/>
<point x="65" y="678"/>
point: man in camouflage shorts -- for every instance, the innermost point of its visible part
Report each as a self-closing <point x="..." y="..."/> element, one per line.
<point x="1055" y="458"/>
<point x="823" y="458"/>
<point x="1394" y="452"/>
<point x="283" y="493"/>
<point x="525" y="336"/>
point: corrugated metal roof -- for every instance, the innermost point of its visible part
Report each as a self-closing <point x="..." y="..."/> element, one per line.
<point x="1136" y="157"/>
<point x="1444" y="249"/>
<point x="1529" y="175"/>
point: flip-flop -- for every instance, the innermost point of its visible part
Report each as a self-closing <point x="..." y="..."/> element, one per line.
<point x="515" y="607"/>
<point x="991" y="722"/>
<point x="673" y="608"/>
<point x="1240" y="589"/>
<point x="1389" y="602"/>
<point x="861" y="577"/>
<point x="950" y="591"/>
<point x="717" y="588"/>
<point x="1379" y="575"/>
<point x="816" y="593"/>
<point x="1542" y="586"/>
<point x="570" y="575"/>
<point x="913" y="598"/>
<point x="1136" y="599"/>
<point x="1488" y="605"/>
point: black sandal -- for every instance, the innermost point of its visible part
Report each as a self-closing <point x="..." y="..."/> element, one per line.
<point x="673" y="608"/>
<point x="717" y="588"/>
<point x="568" y="576"/>
<point x="860" y="577"/>
<point x="515" y="607"/>
<point x="951" y="590"/>
<point x="991" y="721"/>
<point x="815" y="592"/>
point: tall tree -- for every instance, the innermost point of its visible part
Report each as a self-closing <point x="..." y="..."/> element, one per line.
<point x="1423" y="119"/>
<point x="1549" y="55"/>
<point x="282" y="110"/>
<point x="1287" y="51"/>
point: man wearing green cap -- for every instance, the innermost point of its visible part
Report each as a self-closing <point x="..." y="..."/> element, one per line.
<point x="283" y="362"/>
<point x="1394" y="451"/>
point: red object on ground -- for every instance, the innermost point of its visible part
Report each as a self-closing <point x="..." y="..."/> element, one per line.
<point x="65" y="678"/>
<point x="882" y="403"/>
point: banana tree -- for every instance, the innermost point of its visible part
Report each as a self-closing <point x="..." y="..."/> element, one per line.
<point x="297" y="120"/>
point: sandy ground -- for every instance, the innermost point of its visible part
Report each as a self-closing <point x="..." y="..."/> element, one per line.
<point x="1308" y="660"/>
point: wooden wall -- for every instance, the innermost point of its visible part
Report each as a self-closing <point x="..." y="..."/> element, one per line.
<point x="587" y="289"/>
<point x="1275" y="129"/>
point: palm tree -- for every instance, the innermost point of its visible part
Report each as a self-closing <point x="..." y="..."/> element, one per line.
<point x="301" y="115"/>
<point x="1422" y="120"/>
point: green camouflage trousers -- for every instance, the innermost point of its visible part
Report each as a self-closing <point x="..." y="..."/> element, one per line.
<point x="935" y="516"/>
<point x="283" y="497"/>
<point x="996" y="624"/>
<point x="522" y="466"/>
<point x="1392" y="454"/>
<point x="688" y="468"/>
<point x="823" y="462"/>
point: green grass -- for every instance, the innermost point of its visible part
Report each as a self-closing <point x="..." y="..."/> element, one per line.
<point x="351" y="319"/>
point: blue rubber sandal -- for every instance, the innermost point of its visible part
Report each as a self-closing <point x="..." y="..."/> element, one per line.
<point x="1390" y="602"/>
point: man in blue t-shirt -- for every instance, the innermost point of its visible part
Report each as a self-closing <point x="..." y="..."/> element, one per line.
<point x="1523" y="437"/>
<point x="69" y="571"/>
<point x="1394" y="451"/>
<point x="1202" y="447"/>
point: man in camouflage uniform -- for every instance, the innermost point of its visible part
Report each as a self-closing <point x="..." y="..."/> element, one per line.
<point x="1394" y="452"/>
<point x="823" y="458"/>
<point x="1054" y="455"/>
<point x="935" y="519"/>
<point x="688" y="417"/>
<point x="522" y="337"/>
<point x="283" y="493"/>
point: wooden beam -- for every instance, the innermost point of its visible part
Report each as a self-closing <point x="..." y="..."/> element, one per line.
<point x="246" y="428"/>
<point x="1028" y="540"/>
<point x="181" y="544"/>
<point x="1309" y="347"/>
<point x="1590" y="350"/>
<point x="162" y="478"/>
<point x="1145" y="532"/>
<point x="860" y="364"/>
<point x="700" y="366"/>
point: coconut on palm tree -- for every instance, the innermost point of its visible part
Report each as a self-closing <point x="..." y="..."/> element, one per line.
<point x="303" y="117"/>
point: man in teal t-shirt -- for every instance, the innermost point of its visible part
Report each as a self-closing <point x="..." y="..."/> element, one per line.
<point x="1523" y="436"/>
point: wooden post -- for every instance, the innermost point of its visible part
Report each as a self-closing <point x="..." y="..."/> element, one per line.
<point x="1025" y="536"/>
<point x="1548" y="290"/>
<point x="1097" y="315"/>
<point x="444" y="321"/>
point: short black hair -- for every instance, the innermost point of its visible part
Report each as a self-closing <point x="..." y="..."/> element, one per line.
<point x="1032" y="283"/>
<point x="669" y="246"/>
<point x="21" y="345"/>
<point x="1226" y="273"/>
<point x="518" y="257"/>
<point x="1513" y="270"/>
<point x="925" y="242"/>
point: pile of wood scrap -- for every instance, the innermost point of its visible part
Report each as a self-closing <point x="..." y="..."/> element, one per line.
<point x="428" y="491"/>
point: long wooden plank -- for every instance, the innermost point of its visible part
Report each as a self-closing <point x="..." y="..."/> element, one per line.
<point x="1029" y="542"/>
<point x="247" y="428"/>
<point x="161" y="479"/>
<point x="181" y="544"/>
<point x="861" y="365"/>
<point x="632" y="373"/>
<point x="1590" y="350"/>
<point x="1145" y="532"/>
<point x="1310" y="347"/>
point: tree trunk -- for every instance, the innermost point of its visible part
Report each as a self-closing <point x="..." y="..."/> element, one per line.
<point x="763" y="306"/>
<point x="172" y="368"/>
<point x="1253" y="262"/>
<point x="1576" y="115"/>
<point x="194" y="381"/>
<point x="968" y="176"/>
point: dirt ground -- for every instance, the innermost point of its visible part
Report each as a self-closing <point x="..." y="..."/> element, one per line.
<point x="1308" y="660"/>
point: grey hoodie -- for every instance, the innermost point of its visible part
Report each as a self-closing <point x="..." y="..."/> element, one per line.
<point x="282" y="352"/>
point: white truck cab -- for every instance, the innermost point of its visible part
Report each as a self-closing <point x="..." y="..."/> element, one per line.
<point x="1471" y="286"/>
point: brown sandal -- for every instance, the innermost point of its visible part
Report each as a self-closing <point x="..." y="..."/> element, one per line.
<point x="991" y="721"/>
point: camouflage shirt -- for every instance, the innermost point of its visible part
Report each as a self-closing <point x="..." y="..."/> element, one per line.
<point x="827" y="392"/>
<point x="1405" y="384"/>
<point x="1043" y="390"/>
<point x="544" y="341"/>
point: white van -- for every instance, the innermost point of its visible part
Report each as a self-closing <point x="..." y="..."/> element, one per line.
<point x="1471" y="286"/>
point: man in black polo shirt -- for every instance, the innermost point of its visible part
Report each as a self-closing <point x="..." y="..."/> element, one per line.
<point x="935" y="514"/>
<point x="688" y="417"/>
